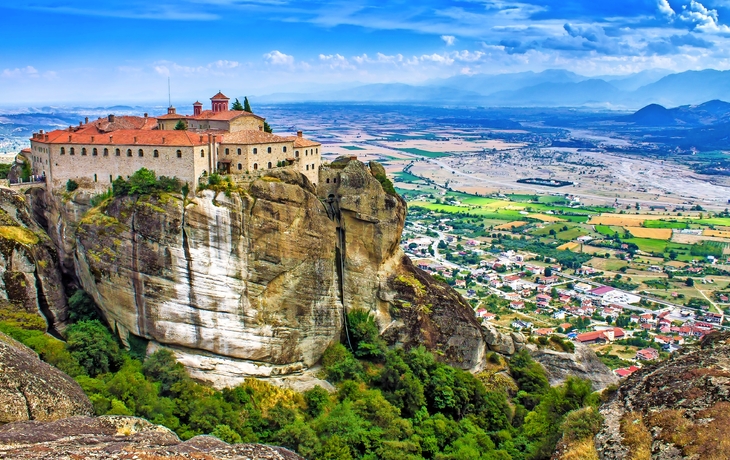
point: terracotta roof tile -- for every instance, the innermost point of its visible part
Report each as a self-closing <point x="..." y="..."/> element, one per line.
<point x="127" y="137"/>
<point x="220" y="96"/>
<point x="225" y="115"/>
<point x="300" y="142"/>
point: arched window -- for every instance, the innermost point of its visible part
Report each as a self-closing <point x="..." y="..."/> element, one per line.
<point x="140" y="153"/>
<point x="328" y="180"/>
<point x="83" y="151"/>
<point x="268" y="150"/>
<point x="63" y="151"/>
<point x="95" y="152"/>
<point x="179" y="154"/>
<point x="334" y="180"/>
<point x="255" y="166"/>
<point x="227" y="151"/>
<point x="118" y="152"/>
<point x="296" y="154"/>
<point x="129" y="152"/>
<point x="317" y="150"/>
<point x="269" y="165"/>
<point x="306" y="153"/>
<point x="284" y="149"/>
<point x="71" y="151"/>
<point x="106" y="152"/>
<point x="202" y="153"/>
<point x="307" y="167"/>
<point x="239" y="151"/>
<point x="240" y="166"/>
<point x="255" y="150"/>
<point x="94" y="177"/>
<point x="156" y="153"/>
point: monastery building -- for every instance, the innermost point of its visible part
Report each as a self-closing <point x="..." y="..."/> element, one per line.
<point x="222" y="140"/>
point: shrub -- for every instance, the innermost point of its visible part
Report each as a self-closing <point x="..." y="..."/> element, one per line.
<point x="71" y="185"/>
<point x="145" y="182"/>
<point x="386" y="183"/>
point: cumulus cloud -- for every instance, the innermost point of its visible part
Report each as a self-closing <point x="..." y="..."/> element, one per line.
<point x="276" y="57"/>
<point x="665" y="8"/>
<point x="336" y="61"/>
<point x="703" y="18"/>
<point x="448" y="39"/>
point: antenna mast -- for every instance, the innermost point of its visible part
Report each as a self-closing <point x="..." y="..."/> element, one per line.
<point x="169" y="99"/>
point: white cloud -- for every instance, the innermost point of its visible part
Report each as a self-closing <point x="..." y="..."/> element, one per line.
<point x="24" y="72"/>
<point x="665" y="8"/>
<point x="705" y="19"/>
<point x="223" y="64"/>
<point x="276" y="57"/>
<point x="336" y="61"/>
<point x="448" y="39"/>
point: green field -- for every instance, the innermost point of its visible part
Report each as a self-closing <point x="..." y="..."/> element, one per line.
<point x="648" y="245"/>
<point x="406" y="177"/>
<point x="664" y="224"/>
<point x="571" y="234"/>
<point x="580" y="219"/>
<point x="604" y="230"/>
<point x="546" y="229"/>
<point x="424" y="153"/>
<point x="352" y="147"/>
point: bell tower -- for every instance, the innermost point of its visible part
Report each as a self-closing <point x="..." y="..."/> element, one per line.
<point x="219" y="102"/>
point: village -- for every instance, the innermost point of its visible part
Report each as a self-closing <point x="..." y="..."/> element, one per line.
<point x="558" y="303"/>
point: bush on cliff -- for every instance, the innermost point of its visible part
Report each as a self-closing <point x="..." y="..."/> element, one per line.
<point x="143" y="182"/>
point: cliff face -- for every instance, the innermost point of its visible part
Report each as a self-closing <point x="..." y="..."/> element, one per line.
<point x="676" y="409"/>
<point x="582" y="363"/>
<point x="30" y="279"/>
<point x="33" y="390"/>
<point x="256" y="282"/>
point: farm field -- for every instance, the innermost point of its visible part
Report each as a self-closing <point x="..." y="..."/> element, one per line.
<point x="510" y="225"/>
<point x="653" y="233"/>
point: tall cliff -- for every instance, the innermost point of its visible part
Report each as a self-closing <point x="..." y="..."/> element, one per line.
<point x="256" y="281"/>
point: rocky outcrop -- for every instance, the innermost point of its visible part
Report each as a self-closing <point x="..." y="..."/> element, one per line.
<point x="119" y="437"/>
<point x="255" y="280"/>
<point x="582" y="363"/>
<point x="676" y="409"/>
<point x="30" y="278"/>
<point x="33" y="390"/>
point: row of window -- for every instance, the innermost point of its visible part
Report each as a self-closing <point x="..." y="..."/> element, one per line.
<point x="268" y="150"/>
<point x="118" y="152"/>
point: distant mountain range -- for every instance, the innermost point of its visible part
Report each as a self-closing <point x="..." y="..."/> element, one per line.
<point x="550" y="88"/>
<point x="709" y="113"/>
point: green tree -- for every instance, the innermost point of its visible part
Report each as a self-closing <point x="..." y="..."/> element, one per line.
<point x="548" y="271"/>
<point x="162" y="367"/>
<point x="180" y="126"/>
<point x="364" y="335"/>
<point x="246" y="105"/>
<point x="224" y="432"/>
<point x="81" y="307"/>
<point x="237" y="105"/>
<point x="94" y="347"/>
<point x="267" y="127"/>
<point x="689" y="282"/>
<point x="317" y="399"/>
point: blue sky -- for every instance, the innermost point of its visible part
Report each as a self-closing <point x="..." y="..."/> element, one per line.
<point x="61" y="51"/>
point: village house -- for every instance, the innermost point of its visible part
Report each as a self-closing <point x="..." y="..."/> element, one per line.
<point x="543" y="331"/>
<point x="647" y="354"/>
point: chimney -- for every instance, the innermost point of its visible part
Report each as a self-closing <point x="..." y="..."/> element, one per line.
<point x="135" y="139"/>
<point x="145" y="114"/>
<point x="111" y="118"/>
<point x="111" y="138"/>
<point x="92" y="138"/>
<point x="163" y="139"/>
<point x="41" y="131"/>
<point x="86" y="120"/>
<point x="201" y="138"/>
<point x="69" y="138"/>
<point x="45" y="137"/>
<point x="299" y="134"/>
<point x="81" y="123"/>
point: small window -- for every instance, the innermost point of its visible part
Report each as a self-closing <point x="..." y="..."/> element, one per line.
<point x="129" y="152"/>
<point x="227" y="152"/>
<point x="63" y="151"/>
<point x="306" y="153"/>
<point x="110" y="179"/>
<point x="255" y="166"/>
<point x="334" y="180"/>
<point x="307" y="167"/>
<point x="95" y="152"/>
<point x="179" y="154"/>
<point x="269" y="165"/>
<point x="106" y="152"/>
<point x="71" y="151"/>
<point x="239" y="151"/>
<point x="118" y="152"/>
<point x="268" y="150"/>
<point x="328" y="181"/>
<point x="140" y="153"/>
<point x="255" y="150"/>
<point x="156" y="153"/>
<point x="284" y="149"/>
<point x="296" y="153"/>
<point x="83" y="151"/>
<point x="317" y="150"/>
<point x="202" y="153"/>
<point x="240" y="166"/>
<point x="95" y="178"/>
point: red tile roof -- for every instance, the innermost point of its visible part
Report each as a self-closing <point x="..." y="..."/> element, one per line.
<point x="220" y="96"/>
<point x="127" y="137"/>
